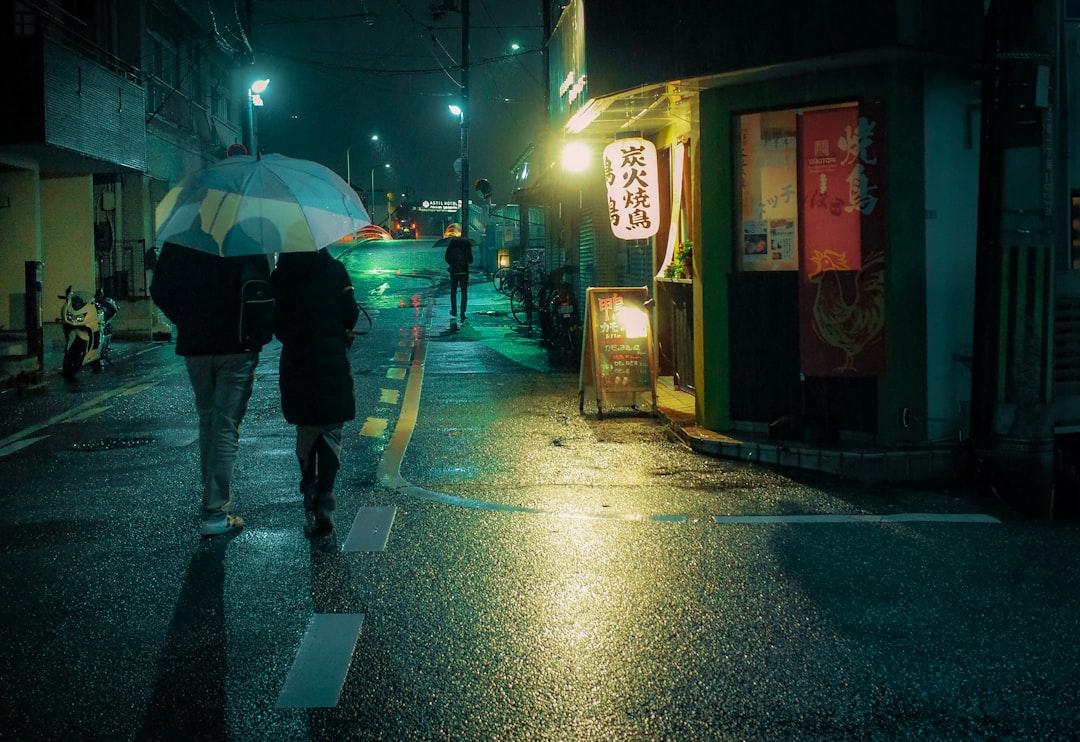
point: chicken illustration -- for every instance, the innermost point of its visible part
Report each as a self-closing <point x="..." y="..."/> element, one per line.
<point x="849" y="311"/>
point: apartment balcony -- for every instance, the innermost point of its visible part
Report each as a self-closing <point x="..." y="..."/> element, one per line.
<point x="72" y="109"/>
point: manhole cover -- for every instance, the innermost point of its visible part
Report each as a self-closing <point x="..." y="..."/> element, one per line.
<point x="112" y="444"/>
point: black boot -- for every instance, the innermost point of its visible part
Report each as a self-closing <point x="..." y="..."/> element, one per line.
<point x="325" y="505"/>
<point x="309" y="490"/>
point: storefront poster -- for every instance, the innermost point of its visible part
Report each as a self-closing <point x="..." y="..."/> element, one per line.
<point x="755" y="240"/>
<point x="841" y="253"/>
<point x="782" y="241"/>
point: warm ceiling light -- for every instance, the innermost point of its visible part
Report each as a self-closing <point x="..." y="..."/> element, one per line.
<point x="575" y="157"/>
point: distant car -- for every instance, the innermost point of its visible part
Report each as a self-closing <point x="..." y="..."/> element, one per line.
<point x="404" y="229"/>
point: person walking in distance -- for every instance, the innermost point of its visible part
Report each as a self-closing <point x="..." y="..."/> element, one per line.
<point x="313" y="317"/>
<point x="459" y="257"/>
<point x="199" y="293"/>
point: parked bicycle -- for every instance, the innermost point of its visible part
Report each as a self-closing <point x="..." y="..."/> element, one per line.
<point x="527" y="298"/>
<point x="562" y="323"/>
<point x="527" y="283"/>
<point x="508" y="278"/>
<point x="505" y="279"/>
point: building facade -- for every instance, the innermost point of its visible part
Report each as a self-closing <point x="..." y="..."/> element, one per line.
<point x="815" y="266"/>
<point x="115" y="103"/>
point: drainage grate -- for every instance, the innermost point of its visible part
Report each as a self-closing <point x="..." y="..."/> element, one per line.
<point x="112" y="444"/>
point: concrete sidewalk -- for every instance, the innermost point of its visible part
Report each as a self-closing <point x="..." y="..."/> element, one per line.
<point x="676" y="410"/>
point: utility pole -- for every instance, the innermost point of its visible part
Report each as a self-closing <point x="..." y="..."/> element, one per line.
<point x="1012" y="421"/>
<point x="465" y="113"/>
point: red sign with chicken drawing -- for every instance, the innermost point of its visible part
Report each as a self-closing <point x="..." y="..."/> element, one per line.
<point x="841" y="256"/>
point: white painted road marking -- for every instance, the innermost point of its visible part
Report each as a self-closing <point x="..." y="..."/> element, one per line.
<point x="321" y="663"/>
<point x="370" y="529"/>
<point x="20" y="444"/>
<point x="894" y="518"/>
<point x="89" y="408"/>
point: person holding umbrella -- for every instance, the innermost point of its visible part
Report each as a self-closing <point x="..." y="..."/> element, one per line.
<point x="219" y="226"/>
<point x="458" y="256"/>
<point x="199" y="292"/>
<point x="314" y="314"/>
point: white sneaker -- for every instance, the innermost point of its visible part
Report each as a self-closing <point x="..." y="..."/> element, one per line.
<point x="228" y="524"/>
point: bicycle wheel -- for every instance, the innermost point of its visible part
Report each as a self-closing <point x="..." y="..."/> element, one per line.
<point x="518" y="302"/>
<point x="503" y="280"/>
<point x="547" y="313"/>
<point x="564" y="340"/>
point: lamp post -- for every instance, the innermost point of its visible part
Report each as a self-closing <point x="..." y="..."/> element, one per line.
<point x="465" y="119"/>
<point x="254" y="98"/>
<point x="348" y="161"/>
<point x="387" y="166"/>
<point x="463" y="171"/>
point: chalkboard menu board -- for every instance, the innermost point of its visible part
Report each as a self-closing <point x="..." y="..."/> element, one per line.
<point x="617" y="355"/>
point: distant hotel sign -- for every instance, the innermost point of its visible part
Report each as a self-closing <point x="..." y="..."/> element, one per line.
<point x="439" y="206"/>
<point x="633" y="191"/>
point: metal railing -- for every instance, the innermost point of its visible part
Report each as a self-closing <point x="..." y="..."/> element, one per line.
<point x="121" y="270"/>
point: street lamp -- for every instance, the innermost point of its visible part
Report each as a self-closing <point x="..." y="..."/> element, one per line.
<point x="254" y="98"/>
<point x="461" y="112"/>
<point x="387" y="166"/>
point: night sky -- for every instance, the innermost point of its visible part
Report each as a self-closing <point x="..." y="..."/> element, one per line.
<point x="342" y="70"/>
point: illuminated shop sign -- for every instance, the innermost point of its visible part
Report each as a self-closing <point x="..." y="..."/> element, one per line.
<point x="633" y="192"/>
<point x="568" y="85"/>
<point x="439" y="206"/>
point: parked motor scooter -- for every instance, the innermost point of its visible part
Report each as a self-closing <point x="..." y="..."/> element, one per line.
<point x="87" y="331"/>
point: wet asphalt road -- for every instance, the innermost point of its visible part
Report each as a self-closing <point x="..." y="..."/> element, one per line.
<point x="545" y="576"/>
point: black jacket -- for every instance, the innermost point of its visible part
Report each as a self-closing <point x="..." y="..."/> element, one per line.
<point x="200" y="294"/>
<point x="458" y="255"/>
<point x="314" y="307"/>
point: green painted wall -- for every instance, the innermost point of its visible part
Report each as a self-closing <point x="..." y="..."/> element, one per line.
<point x="897" y="90"/>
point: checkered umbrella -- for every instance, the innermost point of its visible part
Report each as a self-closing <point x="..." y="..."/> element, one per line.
<point x="260" y="205"/>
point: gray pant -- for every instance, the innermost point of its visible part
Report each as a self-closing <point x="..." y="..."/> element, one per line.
<point x="222" y="386"/>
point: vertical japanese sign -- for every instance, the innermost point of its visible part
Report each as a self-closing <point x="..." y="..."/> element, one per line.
<point x="633" y="189"/>
<point x="829" y="223"/>
<point x="617" y="355"/>
<point x="841" y="255"/>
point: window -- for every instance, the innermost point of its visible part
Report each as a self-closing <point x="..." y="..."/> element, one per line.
<point x="25" y="20"/>
<point x="767" y="216"/>
<point x="768" y="180"/>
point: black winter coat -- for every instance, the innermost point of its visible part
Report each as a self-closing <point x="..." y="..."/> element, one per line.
<point x="459" y="255"/>
<point x="314" y="307"/>
<point x="200" y="294"/>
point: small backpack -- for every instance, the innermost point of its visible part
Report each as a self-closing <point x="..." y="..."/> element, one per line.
<point x="256" y="313"/>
